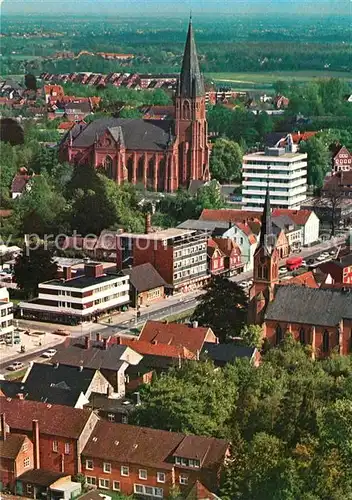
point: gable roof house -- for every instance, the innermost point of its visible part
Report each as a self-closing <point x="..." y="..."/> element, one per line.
<point x="307" y="220"/>
<point x="146" y="284"/>
<point x="59" y="433"/>
<point x="58" y="384"/>
<point x="128" y="458"/>
<point x="110" y="359"/>
<point x="181" y="335"/>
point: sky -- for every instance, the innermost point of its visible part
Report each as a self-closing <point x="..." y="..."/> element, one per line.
<point x="139" y="7"/>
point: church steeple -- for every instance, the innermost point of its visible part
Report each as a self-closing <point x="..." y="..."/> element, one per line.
<point x="191" y="81"/>
<point x="267" y="238"/>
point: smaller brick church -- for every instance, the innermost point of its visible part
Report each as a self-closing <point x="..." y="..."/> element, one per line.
<point x="162" y="155"/>
<point x="318" y="317"/>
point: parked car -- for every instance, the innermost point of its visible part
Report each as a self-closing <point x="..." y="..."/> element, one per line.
<point x="304" y="263"/>
<point x="16" y="365"/>
<point x="49" y="353"/>
<point x="62" y="331"/>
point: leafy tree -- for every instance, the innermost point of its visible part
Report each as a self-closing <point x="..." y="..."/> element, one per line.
<point x="281" y="87"/>
<point x="318" y="161"/>
<point x="30" y="82"/>
<point x="209" y="196"/>
<point x="33" y="267"/>
<point x="11" y="131"/>
<point x="223" y="308"/>
<point x="264" y="124"/>
<point x="226" y="161"/>
<point x="252" y="335"/>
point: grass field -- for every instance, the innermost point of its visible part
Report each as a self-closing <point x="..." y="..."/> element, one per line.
<point x="264" y="81"/>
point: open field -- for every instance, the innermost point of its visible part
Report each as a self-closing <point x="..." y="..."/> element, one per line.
<point x="264" y="81"/>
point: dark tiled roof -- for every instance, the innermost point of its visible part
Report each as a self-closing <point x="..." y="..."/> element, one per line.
<point x="12" y="445"/>
<point x="227" y="353"/>
<point x="41" y="477"/>
<point x="146" y="135"/>
<point x="144" y="277"/>
<point x="95" y="357"/>
<point x="53" y="419"/>
<point x="150" y="447"/>
<point x="82" y="281"/>
<point x="54" y="384"/>
<point x="314" y="306"/>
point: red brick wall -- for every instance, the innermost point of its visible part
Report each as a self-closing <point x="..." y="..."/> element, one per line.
<point x="51" y="460"/>
<point x="159" y="256"/>
<point x="10" y="469"/>
<point x="270" y="334"/>
<point x="127" y="483"/>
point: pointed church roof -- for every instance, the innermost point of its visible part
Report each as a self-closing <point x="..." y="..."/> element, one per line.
<point x="267" y="237"/>
<point x="191" y="80"/>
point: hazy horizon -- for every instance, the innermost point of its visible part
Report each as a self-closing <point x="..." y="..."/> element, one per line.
<point x="180" y="7"/>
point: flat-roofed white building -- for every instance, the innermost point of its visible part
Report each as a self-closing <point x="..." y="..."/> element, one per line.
<point x="72" y="300"/>
<point x="6" y="314"/>
<point x="286" y="172"/>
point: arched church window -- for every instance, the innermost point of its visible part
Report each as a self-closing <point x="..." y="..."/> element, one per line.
<point x="109" y="167"/>
<point x="278" y="334"/>
<point x="266" y="272"/>
<point x="302" y="336"/>
<point x="326" y="341"/>
<point x="140" y="170"/>
<point x="130" y="169"/>
<point x="186" y="110"/>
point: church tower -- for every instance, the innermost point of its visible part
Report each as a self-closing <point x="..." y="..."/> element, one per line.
<point x="191" y="124"/>
<point x="266" y="268"/>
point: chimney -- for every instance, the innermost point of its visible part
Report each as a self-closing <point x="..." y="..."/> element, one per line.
<point x="98" y="337"/>
<point x="195" y="324"/>
<point x="86" y="342"/>
<point x="20" y="396"/>
<point x="93" y="270"/>
<point x="67" y="273"/>
<point x="35" y="436"/>
<point x="137" y="398"/>
<point x="105" y="343"/>
<point x="81" y="368"/>
<point x="108" y="391"/>
<point x="3" y="426"/>
<point x="118" y="340"/>
<point x="148" y="223"/>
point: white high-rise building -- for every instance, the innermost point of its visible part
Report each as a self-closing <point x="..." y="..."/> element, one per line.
<point x="286" y="171"/>
<point x="6" y="315"/>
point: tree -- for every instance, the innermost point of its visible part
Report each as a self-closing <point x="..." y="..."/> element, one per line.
<point x="335" y="426"/>
<point x="11" y="131"/>
<point x="318" y="161"/>
<point x="264" y="124"/>
<point x="226" y="161"/>
<point x="252" y="335"/>
<point x="30" y="82"/>
<point x="209" y="196"/>
<point x="223" y="308"/>
<point x="333" y="195"/>
<point x="34" y="266"/>
<point x="281" y="87"/>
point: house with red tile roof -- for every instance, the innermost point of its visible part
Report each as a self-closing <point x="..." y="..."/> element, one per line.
<point x="232" y="254"/>
<point x="63" y="431"/>
<point x="307" y="220"/>
<point x="200" y="492"/>
<point x="147" y="348"/>
<point x="150" y="462"/>
<point x="215" y="258"/>
<point x="21" y="183"/>
<point x="177" y="334"/>
<point x="53" y="92"/>
<point x="304" y="279"/>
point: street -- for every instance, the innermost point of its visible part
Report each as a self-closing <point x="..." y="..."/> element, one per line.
<point x="123" y="322"/>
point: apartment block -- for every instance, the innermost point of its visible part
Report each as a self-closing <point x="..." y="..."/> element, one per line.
<point x="284" y="169"/>
<point x="72" y="300"/>
<point x="6" y="315"/>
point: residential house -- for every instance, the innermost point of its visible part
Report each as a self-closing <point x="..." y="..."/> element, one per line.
<point x="293" y="233"/>
<point x="341" y="160"/>
<point x="16" y="455"/>
<point x="339" y="184"/>
<point x="57" y="384"/>
<point x="150" y="462"/>
<point x="109" y="358"/>
<point x="61" y="431"/>
<point x="222" y="354"/>
<point x="232" y="255"/>
<point x="175" y="334"/>
<point x="200" y="492"/>
<point x="306" y="278"/>
<point x="53" y="92"/>
<point x="307" y="220"/>
<point x="146" y="285"/>
<point x="74" y="299"/>
<point x="39" y="483"/>
<point x="216" y="258"/>
<point x="21" y="183"/>
<point x="179" y="255"/>
<point x="339" y="269"/>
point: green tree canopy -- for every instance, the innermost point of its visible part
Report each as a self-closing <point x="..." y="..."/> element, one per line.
<point x="226" y="161"/>
<point x="318" y="161"/>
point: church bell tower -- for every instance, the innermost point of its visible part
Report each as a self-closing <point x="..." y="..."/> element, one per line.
<point x="266" y="268"/>
<point x="191" y="124"/>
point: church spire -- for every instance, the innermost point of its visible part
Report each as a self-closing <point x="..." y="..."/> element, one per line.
<point x="191" y="80"/>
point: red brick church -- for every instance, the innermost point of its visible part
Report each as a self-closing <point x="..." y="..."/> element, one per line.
<point x="318" y="317"/>
<point x="160" y="154"/>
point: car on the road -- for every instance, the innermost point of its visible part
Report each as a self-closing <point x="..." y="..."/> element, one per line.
<point x="243" y="284"/>
<point x="62" y="332"/>
<point x="16" y="365"/>
<point x="304" y="263"/>
<point x="282" y="270"/>
<point x="49" y="353"/>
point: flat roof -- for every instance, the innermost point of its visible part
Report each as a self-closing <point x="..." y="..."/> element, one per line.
<point x="165" y="234"/>
<point x="261" y="155"/>
<point x="82" y="281"/>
